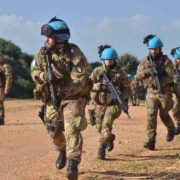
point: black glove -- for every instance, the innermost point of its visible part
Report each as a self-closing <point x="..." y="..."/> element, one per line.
<point x="104" y="88"/>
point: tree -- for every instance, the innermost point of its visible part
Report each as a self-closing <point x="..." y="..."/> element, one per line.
<point x="20" y="62"/>
<point x="129" y="62"/>
<point x="92" y="66"/>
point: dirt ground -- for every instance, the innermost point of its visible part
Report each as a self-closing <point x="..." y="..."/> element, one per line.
<point x="26" y="150"/>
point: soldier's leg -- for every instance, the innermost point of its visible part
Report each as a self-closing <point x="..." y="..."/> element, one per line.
<point x="133" y="99"/>
<point x="99" y="114"/>
<point x="165" y="107"/>
<point x="107" y="138"/>
<point x="176" y="114"/>
<point x="41" y="112"/>
<point x="55" y="129"/>
<point x="138" y="98"/>
<point x="2" y="122"/>
<point x="75" y="122"/>
<point x="152" y="105"/>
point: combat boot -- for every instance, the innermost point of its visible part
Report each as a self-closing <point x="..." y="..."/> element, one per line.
<point x="72" y="170"/>
<point x="177" y="130"/>
<point x="170" y="135"/>
<point x="42" y="112"/>
<point x="2" y="122"/>
<point x="102" y="151"/>
<point x="150" y="144"/>
<point x="110" y="145"/>
<point x="61" y="160"/>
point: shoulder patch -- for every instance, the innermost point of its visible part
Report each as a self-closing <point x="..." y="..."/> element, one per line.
<point x="33" y="64"/>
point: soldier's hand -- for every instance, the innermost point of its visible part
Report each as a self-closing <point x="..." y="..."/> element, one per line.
<point x="148" y="72"/>
<point x="154" y="83"/>
<point x="5" y="91"/>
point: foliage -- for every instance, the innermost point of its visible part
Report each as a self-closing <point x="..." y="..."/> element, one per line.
<point x="92" y="66"/>
<point x="20" y="62"/>
<point x="129" y="62"/>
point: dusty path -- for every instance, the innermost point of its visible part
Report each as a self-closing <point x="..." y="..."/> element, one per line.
<point x="26" y="151"/>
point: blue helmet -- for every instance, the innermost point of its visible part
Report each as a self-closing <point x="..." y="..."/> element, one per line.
<point x="56" y="28"/>
<point x="130" y="75"/>
<point x="155" y="42"/>
<point x="109" y="53"/>
<point x="176" y="53"/>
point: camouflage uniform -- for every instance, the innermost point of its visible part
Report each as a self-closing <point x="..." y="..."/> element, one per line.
<point x="69" y="67"/>
<point x="176" y="107"/>
<point x="105" y="114"/>
<point x="155" y="100"/>
<point x="135" y="89"/>
<point x="5" y="85"/>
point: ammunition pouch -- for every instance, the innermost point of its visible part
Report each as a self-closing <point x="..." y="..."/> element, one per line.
<point x="52" y="128"/>
<point x="165" y="81"/>
<point x="42" y="92"/>
<point x="92" y="116"/>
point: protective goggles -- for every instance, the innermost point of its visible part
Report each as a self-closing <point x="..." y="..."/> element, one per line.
<point x="48" y="31"/>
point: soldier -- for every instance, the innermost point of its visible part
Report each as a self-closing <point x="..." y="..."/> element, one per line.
<point x="68" y="65"/>
<point x="130" y="78"/>
<point x="5" y="84"/>
<point x="158" y="75"/>
<point x="135" y="89"/>
<point x="176" y="109"/>
<point x="106" y="113"/>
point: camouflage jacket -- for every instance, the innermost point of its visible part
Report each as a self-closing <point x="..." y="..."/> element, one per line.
<point x="166" y="74"/>
<point x="135" y="84"/>
<point x="69" y="67"/>
<point x="177" y="67"/>
<point x="119" y="78"/>
<point x="5" y="76"/>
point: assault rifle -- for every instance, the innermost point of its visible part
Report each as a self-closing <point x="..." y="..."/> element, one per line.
<point x="115" y="94"/>
<point x="155" y="74"/>
<point x="51" y="79"/>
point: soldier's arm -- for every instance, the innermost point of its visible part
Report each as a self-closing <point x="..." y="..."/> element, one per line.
<point x="37" y="71"/>
<point x="170" y="71"/>
<point x="95" y="79"/>
<point x="140" y="71"/>
<point x="125" y="85"/>
<point x="8" y="77"/>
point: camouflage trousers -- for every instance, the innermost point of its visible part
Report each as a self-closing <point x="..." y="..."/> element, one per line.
<point x="105" y="116"/>
<point x="2" y="109"/>
<point x="176" y="110"/>
<point x="135" y="98"/>
<point x="72" y="113"/>
<point x="2" y="98"/>
<point x="164" y="104"/>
